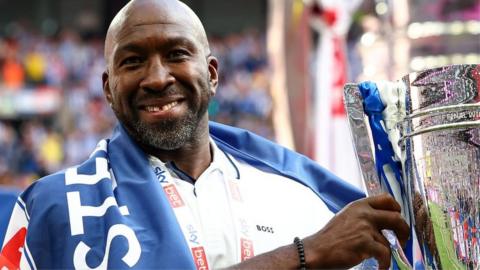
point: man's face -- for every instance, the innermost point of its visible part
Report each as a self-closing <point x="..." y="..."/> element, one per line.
<point x="160" y="81"/>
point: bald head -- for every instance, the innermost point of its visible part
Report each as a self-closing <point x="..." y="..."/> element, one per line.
<point x="150" y="12"/>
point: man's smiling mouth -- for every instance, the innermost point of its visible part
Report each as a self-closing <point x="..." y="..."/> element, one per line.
<point x="166" y="107"/>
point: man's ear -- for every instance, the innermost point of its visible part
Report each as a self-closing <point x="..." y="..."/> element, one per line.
<point x="213" y="73"/>
<point x="106" y="88"/>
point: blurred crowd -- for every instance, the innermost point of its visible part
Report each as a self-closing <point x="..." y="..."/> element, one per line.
<point x="35" y="144"/>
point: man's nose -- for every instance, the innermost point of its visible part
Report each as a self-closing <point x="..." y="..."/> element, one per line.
<point x="158" y="76"/>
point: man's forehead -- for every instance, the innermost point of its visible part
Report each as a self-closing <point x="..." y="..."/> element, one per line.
<point x="149" y="29"/>
<point x="156" y="36"/>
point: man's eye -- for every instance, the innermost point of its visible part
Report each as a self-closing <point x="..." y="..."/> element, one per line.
<point x="133" y="60"/>
<point x="178" y="54"/>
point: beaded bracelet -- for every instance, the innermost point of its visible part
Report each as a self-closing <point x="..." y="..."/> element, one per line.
<point x="301" y="253"/>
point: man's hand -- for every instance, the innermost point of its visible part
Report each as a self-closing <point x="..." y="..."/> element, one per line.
<point x="354" y="234"/>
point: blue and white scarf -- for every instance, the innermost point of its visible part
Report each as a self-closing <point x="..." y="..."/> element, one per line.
<point x="110" y="211"/>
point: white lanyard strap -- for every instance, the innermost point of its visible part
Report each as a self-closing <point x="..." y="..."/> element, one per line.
<point x="242" y="225"/>
<point x="185" y="217"/>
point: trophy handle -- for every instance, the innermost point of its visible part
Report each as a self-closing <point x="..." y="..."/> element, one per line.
<point x="362" y="143"/>
<point x="360" y="133"/>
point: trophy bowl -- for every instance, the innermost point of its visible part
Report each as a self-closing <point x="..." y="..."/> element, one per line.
<point x="418" y="138"/>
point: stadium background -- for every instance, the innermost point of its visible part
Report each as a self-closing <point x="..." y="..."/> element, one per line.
<point x="273" y="80"/>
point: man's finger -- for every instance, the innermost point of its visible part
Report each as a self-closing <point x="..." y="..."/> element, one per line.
<point x="378" y="237"/>
<point x="384" y="202"/>
<point x="381" y="253"/>
<point x="392" y="221"/>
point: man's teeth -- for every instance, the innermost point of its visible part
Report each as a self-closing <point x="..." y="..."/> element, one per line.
<point x="163" y="108"/>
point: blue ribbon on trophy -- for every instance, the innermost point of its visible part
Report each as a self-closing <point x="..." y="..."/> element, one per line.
<point x="387" y="167"/>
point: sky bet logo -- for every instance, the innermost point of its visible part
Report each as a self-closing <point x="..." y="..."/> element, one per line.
<point x="173" y="196"/>
<point x="200" y="258"/>
<point x="160" y="173"/>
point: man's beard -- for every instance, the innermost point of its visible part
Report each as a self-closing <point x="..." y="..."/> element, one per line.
<point x="171" y="134"/>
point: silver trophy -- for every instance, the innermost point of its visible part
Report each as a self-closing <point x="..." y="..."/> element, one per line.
<point x="419" y="139"/>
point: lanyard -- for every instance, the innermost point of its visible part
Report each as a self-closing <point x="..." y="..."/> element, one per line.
<point x="189" y="225"/>
<point x="242" y="224"/>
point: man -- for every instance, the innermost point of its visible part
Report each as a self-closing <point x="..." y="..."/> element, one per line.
<point x="169" y="190"/>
